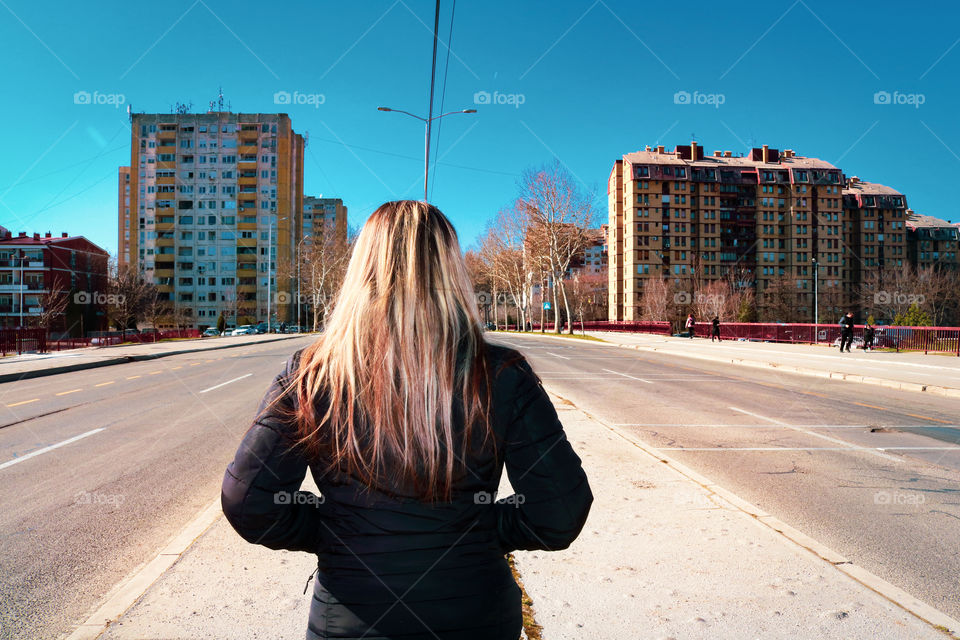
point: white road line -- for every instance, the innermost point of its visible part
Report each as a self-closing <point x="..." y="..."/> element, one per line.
<point x="226" y="383"/>
<point x="627" y="376"/>
<point x="33" y="454"/>
<point x="817" y="435"/>
<point x="557" y="355"/>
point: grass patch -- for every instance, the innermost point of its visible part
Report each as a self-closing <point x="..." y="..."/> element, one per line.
<point x="575" y="336"/>
<point x="529" y="623"/>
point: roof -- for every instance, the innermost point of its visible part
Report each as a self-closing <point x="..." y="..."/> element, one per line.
<point x="917" y="221"/>
<point x="784" y="161"/>
<point x="17" y="240"/>
<point x="869" y="189"/>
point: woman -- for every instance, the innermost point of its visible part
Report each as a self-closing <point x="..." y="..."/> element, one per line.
<point x="406" y="419"/>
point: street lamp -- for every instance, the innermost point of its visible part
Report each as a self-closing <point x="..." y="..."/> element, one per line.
<point x="270" y="266"/>
<point x="427" y="122"/>
<point x="816" y="301"/>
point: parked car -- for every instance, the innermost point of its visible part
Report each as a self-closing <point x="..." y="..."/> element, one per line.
<point x="292" y="328"/>
<point x="261" y="327"/>
<point x="857" y="342"/>
<point x="211" y="332"/>
<point x="245" y="330"/>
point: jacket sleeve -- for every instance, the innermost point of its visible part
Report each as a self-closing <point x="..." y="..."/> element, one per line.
<point x="260" y="493"/>
<point x="552" y="497"/>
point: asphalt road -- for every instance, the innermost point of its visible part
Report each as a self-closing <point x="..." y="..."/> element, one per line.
<point x="100" y="468"/>
<point x="870" y="472"/>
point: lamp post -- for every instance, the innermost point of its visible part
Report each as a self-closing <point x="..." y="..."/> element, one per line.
<point x="427" y="121"/>
<point x="270" y="267"/>
<point x="816" y="301"/>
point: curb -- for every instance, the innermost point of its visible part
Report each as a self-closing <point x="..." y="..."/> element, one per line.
<point x="894" y="594"/>
<point x="949" y="392"/>
<point x="129" y="590"/>
<point x="50" y="371"/>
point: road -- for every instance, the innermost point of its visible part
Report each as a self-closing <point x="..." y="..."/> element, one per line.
<point x="100" y="468"/>
<point x="870" y="472"/>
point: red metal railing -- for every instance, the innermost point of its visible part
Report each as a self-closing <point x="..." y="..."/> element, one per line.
<point x="926" y="339"/>
<point x="22" y="340"/>
<point x="115" y="338"/>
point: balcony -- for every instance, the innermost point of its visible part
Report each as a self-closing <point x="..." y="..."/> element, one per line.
<point x="247" y="149"/>
<point x="166" y="148"/>
<point x="247" y="180"/>
<point x="247" y="165"/>
<point x="246" y="288"/>
<point x="170" y="180"/>
<point x="252" y="132"/>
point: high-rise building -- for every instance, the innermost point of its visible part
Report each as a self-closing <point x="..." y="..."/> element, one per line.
<point x="756" y="221"/>
<point x="932" y="242"/>
<point x="215" y="203"/>
<point x="874" y="236"/>
<point x="324" y="214"/>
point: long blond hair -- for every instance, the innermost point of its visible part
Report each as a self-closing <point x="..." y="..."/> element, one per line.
<point x="401" y="354"/>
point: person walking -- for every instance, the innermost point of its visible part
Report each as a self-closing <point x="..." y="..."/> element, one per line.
<point x="846" y="331"/>
<point x="690" y="325"/>
<point x="715" y="333"/>
<point x="406" y="419"/>
<point x="868" y="334"/>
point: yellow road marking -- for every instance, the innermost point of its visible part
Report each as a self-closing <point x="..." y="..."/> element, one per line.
<point x="814" y="393"/>
<point x="178" y="367"/>
<point x="153" y="373"/>
<point x="194" y="364"/>
<point x="103" y="384"/>
<point x="17" y="404"/>
<point x="871" y="406"/>
<point x="63" y="393"/>
<point x="916" y="415"/>
<point x="133" y="377"/>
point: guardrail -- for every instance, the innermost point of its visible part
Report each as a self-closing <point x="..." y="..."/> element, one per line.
<point x="115" y="338"/>
<point x="22" y="340"/>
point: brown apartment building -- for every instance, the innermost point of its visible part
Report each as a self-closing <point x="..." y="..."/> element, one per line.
<point x="932" y="242"/>
<point x="753" y="220"/>
<point x="209" y="206"/>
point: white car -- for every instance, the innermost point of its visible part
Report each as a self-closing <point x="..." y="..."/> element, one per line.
<point x="245" y="330"/>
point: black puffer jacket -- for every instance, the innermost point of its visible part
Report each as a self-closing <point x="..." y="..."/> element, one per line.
<point x="395" y="567"/>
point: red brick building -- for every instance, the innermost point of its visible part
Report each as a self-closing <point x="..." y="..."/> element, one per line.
<point x="57" y="282"/>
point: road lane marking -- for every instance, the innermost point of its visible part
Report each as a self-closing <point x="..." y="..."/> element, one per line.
<point x="132" y="377"/>
<point x="153" y="373"/>
<point x="557" y="355"/>
<point x="194" y="364"/>
<point x="814" y="393"/>
<point x="917" y="415"/>
<point x="177" y="367"/>
<point x="870" y="406"/>
<point x="33" y="454"/>
<point x="63" y="393"/>
<point x="17" y="404"/>
<point x="852" y="447"/>
<point x="103" y="384"/>
<point x="226" y="383"/>
<point x="626" y="376"/>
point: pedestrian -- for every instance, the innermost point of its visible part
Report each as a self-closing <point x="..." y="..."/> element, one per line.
<point x="405" y="417"/>
<point x="283" y="327"/>
<point x="868" y="334"/>
<point x="716" y="329"/>
<point x="690" y="325"/>
<point x="846" y="331"/>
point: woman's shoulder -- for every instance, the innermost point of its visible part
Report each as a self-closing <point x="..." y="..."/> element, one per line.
<point x="508" y="367"/>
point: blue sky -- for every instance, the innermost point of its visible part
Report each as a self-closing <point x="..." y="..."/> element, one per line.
<point x="872" y="89"/>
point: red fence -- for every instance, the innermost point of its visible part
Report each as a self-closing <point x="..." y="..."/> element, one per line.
<point x="926" y="339"/>
<point x="22" y="340"/>
<point x="114" y="338"/>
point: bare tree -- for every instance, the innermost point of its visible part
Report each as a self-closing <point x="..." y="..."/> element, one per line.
<point x="53" y="304"/>
<point x="128" y="296"/>
<point x="560" y="212"/>
<point x="324" y="257"/>
<point x="655" y="301"/>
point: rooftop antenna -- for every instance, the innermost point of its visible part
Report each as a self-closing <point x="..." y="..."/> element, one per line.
<point x="220" y="98"/>
<point x="306" y="138"/>
<point x="129" y="112"/>
<point x="182" y="107"/>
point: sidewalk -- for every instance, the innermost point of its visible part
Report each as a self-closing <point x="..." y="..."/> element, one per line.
<point x="664" y="554"/>
<point x="33" y="365"/>
<point x="909" y="371"/>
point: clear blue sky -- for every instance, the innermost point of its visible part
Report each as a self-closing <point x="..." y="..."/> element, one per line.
<point x="596" y="80"/>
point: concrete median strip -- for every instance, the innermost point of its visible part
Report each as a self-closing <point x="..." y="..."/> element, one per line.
<point x="129" y="590"/>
